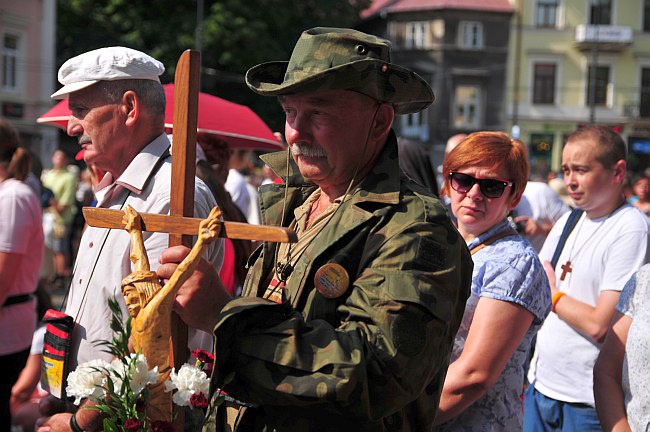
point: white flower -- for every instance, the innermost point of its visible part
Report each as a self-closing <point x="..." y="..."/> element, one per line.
<point x="87" y="381"/>
<point x="137" y="372"/>
<point x="141" y="375"/>
<point x="118" y="371"/>
<point x="190" y="380"/>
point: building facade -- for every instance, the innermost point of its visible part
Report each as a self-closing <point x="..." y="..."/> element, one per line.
<point x="460" y="47"/>
<point x="578" y="62"/>
<point x="28" y="70"/>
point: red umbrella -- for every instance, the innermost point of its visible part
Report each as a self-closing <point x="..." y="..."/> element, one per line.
<point x="57" y="115"/>
<point x="236" y="124"/>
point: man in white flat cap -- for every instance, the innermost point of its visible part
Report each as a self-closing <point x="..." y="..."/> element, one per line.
<point x="118" y="105"/>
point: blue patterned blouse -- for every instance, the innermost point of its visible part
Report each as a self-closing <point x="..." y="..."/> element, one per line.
<point x="507" y="270"/>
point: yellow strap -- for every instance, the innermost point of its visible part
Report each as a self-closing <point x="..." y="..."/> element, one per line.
<point x="492" y="239"/>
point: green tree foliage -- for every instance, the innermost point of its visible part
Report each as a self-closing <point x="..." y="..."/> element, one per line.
<point x="236" y="35"/>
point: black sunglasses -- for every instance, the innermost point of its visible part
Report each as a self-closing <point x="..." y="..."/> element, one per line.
<point x="490" y="188"/>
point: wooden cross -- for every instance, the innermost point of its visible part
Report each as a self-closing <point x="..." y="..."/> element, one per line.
<point x="181" y="202"/>
<point x="179" y="224"/>
<point x="566" y="269"/>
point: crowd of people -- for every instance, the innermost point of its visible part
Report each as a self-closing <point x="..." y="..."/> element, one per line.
<point x="473" y="301"/>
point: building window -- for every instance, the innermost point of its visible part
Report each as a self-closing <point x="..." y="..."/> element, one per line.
<point x="544" y="83"/>
<point x="416" y="34"/>
<point x="416" y="125"/>
<point x="646" y="16"/>
<point x="602" y="83"/>
<point x="546" y="13"/>
<point x="467" y="103"/>
<point x="644" y="106"/>
<point x="470" y="35"/>
<point x="600" y="12"/>
<point x="9" y="62"/>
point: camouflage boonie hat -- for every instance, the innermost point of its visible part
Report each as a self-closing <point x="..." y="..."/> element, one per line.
<point x="342" y="59"/>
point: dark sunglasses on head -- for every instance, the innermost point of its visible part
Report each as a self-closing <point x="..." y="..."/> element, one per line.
<point x="490" y="188"/>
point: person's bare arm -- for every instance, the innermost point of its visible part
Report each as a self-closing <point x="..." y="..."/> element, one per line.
<point x="608" y="391"/>
<point x="27" y="380"/>
<point x="588" y="320"/>
<point x="497" y="329"/>
<point x="534" y="227"/>
<point x="89" y="420"/>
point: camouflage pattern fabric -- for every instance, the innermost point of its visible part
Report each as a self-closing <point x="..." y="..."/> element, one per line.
<point x="343" y="59"/>
<point x="373" y="359"/>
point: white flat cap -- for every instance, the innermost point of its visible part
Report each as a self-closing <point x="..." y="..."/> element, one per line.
<point x="106" y="64"/>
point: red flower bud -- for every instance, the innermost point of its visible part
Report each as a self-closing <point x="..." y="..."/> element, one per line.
<point x="203" y="356"/>
<point x="132" y="425"/>
<point x="199" y="401"/>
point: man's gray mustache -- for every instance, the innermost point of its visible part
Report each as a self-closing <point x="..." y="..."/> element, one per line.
<point x="307" y="150"/>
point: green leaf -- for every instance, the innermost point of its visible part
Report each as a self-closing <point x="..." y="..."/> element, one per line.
<point x="110" y="426"/>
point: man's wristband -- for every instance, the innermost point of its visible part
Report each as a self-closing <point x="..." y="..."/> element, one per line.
<point x="556" y="297"/>
<point x="74" y="425"/>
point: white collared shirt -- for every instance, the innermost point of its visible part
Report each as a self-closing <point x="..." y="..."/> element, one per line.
<point x="103" y="256"/>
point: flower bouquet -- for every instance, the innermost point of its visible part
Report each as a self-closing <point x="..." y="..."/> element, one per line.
<point x="119" y="389"/>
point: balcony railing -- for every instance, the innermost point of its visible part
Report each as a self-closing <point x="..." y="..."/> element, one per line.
<point x="608" y="38"/>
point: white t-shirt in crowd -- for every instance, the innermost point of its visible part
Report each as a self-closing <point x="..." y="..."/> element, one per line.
<point x="604" y="253"/>
<point x="236" y="187"/>
<point x="542" y="204"/>
<point x="253" y="216"/>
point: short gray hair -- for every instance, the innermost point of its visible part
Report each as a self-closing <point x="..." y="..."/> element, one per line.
<point x="150" y="93"/>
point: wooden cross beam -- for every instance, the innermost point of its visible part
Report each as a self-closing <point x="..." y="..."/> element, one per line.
<point x="176" y="225"/>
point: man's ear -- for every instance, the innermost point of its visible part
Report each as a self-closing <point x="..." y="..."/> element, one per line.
<point x="131" y="107"/>
<point x="383" y="120"/>
<point x="619" y="170"/>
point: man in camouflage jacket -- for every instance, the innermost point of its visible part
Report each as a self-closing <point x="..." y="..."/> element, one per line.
<point x="352" y="328"/>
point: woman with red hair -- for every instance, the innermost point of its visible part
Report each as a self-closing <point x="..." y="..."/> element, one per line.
<point x="485" y="177"/>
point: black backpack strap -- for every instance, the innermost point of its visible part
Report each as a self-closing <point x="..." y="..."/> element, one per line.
<point x="568" y="227"/>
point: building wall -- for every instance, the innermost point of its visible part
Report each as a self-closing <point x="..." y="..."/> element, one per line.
<point x="445" y="64"/>
<point x="544" y="126"/>
<point x="32" y="24"/>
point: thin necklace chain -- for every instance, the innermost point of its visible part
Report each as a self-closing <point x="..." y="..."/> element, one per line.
<point x="582" y="222"/>
<point x="582" y="246"/>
